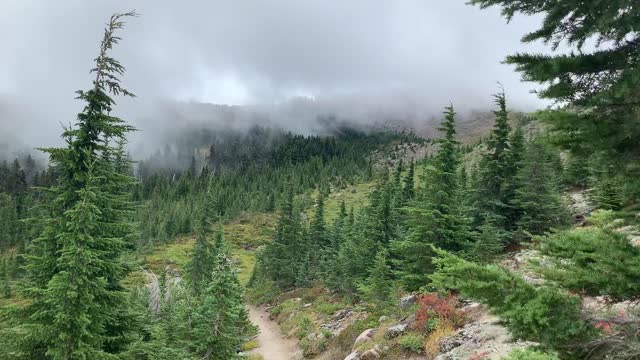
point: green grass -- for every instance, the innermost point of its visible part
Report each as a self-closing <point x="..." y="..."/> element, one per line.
<point x="250" y="345"/>
<point x="243" y="235"/>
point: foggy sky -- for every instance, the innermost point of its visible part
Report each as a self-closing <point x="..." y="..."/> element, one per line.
<point x="356" y="58"/>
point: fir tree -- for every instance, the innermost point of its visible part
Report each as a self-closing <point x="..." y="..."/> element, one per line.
<point x="378" y="285"/>
<point x="409" y="187"/>
<point x="76" y="268"/>
<point x="284" y="254"/>
<point x="436" y="216"/>
<point x="538" y="196"/>
<point x="5" y="278"/>
<point x="219" y="320"/>
<point x="598" y="83"/>
<point x="488" y="245"/>
<point x="495" y="198"/>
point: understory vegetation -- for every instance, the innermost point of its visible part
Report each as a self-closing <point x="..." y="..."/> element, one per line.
<point x="104" y="258"/>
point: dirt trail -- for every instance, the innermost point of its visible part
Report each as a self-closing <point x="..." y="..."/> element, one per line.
<point x="273" y="346"/>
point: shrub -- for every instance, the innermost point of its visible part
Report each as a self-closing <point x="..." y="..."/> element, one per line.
<point x="529" y="354"/>
<point x="434" y="309"/>
<point x="412" y="342"/>
<point x="594" y="262"/>
<point x="432" y="343"/>
<point x="545" y="315"/>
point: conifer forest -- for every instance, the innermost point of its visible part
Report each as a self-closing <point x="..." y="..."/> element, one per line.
<point x="494" y="223"/>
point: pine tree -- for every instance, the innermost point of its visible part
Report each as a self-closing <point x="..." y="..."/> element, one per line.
<point x="436" y="216"/>
<point x="409" y="187"/>
<point x="378" y="286"/>
<point x="217" y="321"/>
<point x="317" y="230"/>
<point x="6" y="280"/>
<point x="538" y="196"/>
<point x="598" y="83"/>
<point x="282" y="257"/>
<point x="354" y="257"/>
<point x="494" y="198"/>
<point x="488" y="245"/>
<point x="204" y="253"/>
<point x="75" y="270"/>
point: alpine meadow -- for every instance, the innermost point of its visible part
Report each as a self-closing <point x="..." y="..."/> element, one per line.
<point x="435" y="180"/>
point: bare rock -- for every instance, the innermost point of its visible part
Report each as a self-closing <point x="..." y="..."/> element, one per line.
<point x="396" y="330"/>
<point x="341" y="314"/>
<point x="305" y="306"/>
<point x="370" y="354"/>
<point x="408" y="300"/>
<point x="364" y="336"/>
<point x="353" y="356"/>
<point x="382" y="319"/>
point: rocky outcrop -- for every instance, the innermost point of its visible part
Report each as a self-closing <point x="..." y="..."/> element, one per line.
<point x="364" y="337"/>
<point x="396" y="330"/>
<point x="408" y="300"/>
<point x="485" y="336"/>
<point x="580" y="206"/>
<point x="353" y="356"/>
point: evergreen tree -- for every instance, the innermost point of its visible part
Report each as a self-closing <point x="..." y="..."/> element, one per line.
<point x="75" y="269"/>
<point x="378" y="286"/>
<point x="317" y="229"/>
<point x="6" y="280"/>
<point x="354" y="257"/>
<point x="8" y="221"/>
<point x="409" y="187"/>
<point x="488" y="245"/>
<point x="495" y="198"/>
<point x="219" y="319"/>
<point x="284" y="255"/>
<point x="204" y="253"/>
<point x="598" y="83"/>
<point x="538" y="196"/>
<point x="436" y="216"/>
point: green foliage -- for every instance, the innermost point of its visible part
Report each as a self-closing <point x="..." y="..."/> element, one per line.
<point x="412" y="342"/>
<point x="378" y="286"/>
<point x="5" y="279"/>
<point x="529" y="354"/>
<point x="78" y="308"/>
<point x="435" y="217"/>
<point x="497" y="169"/>
<point x="537" y="197"/>
<point x="218" y="319"/>
<point x="593" y="261"/>
<point x="283" y="257"/>
<point x="608" y="192"/>
<point x="544" y="315"/>
<point x="203" y="258"/>
<point x="599" y="83"/>
<point x="409" y="191"/>
<point x="488" y="245"/>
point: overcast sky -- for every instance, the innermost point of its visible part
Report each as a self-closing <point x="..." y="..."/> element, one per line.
<point x="396" y="54"/>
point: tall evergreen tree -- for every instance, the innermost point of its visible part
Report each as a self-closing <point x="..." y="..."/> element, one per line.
<point x="219" y="319"/>
<point x="409" y="187"/>
<point x="599" y="83"/>
<point x="378" y="286"/>
<point x="538" y="196"/>
<point x="284" y="255"/>
<point x="5" y="278"/>
<point x="436" y="216"/>
<point x="494" y="198"/>
<point x="75" y="269"/>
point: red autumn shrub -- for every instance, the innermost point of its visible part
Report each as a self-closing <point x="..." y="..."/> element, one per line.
<point x="440" y="308"/>
<point x="479" y="356"/>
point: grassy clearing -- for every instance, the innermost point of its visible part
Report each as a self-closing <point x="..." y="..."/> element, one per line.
<point x="243" y="234"/>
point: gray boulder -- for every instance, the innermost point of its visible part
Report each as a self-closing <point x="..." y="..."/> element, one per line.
<point x="396" y="330"/>
<point x="408" y="300"/>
